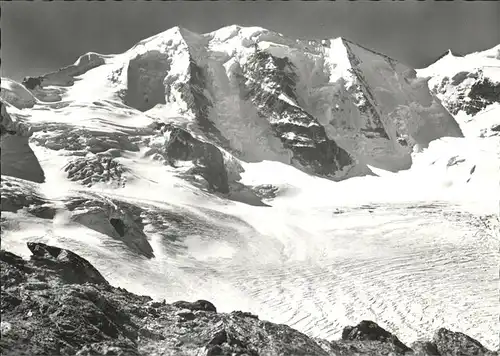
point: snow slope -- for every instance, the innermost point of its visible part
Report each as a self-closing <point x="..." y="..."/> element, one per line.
<point x="189" y="167"/>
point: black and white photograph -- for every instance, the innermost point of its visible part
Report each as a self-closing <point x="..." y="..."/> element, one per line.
<point x="250" y="178"/>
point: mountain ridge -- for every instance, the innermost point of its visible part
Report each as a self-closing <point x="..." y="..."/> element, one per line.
<point x="203" y="103"/>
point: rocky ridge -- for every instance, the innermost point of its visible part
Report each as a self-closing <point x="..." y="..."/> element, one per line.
<point x="57" y="303"/>
<point x="270" y="84"/>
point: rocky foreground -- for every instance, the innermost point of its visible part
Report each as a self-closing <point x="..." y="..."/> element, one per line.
<point x="57" y="303"/>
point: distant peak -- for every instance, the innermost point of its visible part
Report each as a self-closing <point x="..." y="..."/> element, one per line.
<point x="447" y="53"/>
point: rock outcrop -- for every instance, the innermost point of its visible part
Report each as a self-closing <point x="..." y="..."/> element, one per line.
<point x="270" y="84"/>
<point x="457" y="344"/>
<point x="145" y="76"/>
<point x="8" y="126"/>
<point x="57" y="303"/>
<point x="17" y="157"/>
<point x="177" y="147"/>
<point x="468" y="91"/>
<point x="117" y="219"/>
<point x="369" y="331"/>
<point x="97" y="169"/>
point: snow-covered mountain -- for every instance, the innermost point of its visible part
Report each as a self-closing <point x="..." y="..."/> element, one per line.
<point x="469" y="87"/>
<point x="316" y="183"/>
<point x="323" y="106"/>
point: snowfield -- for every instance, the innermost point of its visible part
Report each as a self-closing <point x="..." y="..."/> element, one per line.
<point x="412" y="250"/>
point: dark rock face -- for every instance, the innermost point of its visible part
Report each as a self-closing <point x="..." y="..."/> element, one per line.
<point x="17" y="157"/>
<point x="269" y="81"/>
<point x="208" y="158"/>
<point x="180" y="145"/>
<point x="202" y="105"/>
<point x="365" y="102"/>
<point x="32" y="82"/>
<point x="19" y="160"/>
<point x="57" y="303"/>
<point x="482" y="94"/>
<point x="194" y="93"/>
<point x="6" y="124"/>
<point x="145" y="76"/>
<point x="118" y="225"/>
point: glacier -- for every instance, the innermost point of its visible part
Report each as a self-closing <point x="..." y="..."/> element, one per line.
<point x="313" y="182"/>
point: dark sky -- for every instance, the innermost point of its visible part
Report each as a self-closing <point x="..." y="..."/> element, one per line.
<point x="42" y="36"/>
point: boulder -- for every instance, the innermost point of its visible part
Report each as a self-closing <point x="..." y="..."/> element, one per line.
<point x="198" y="305"/>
